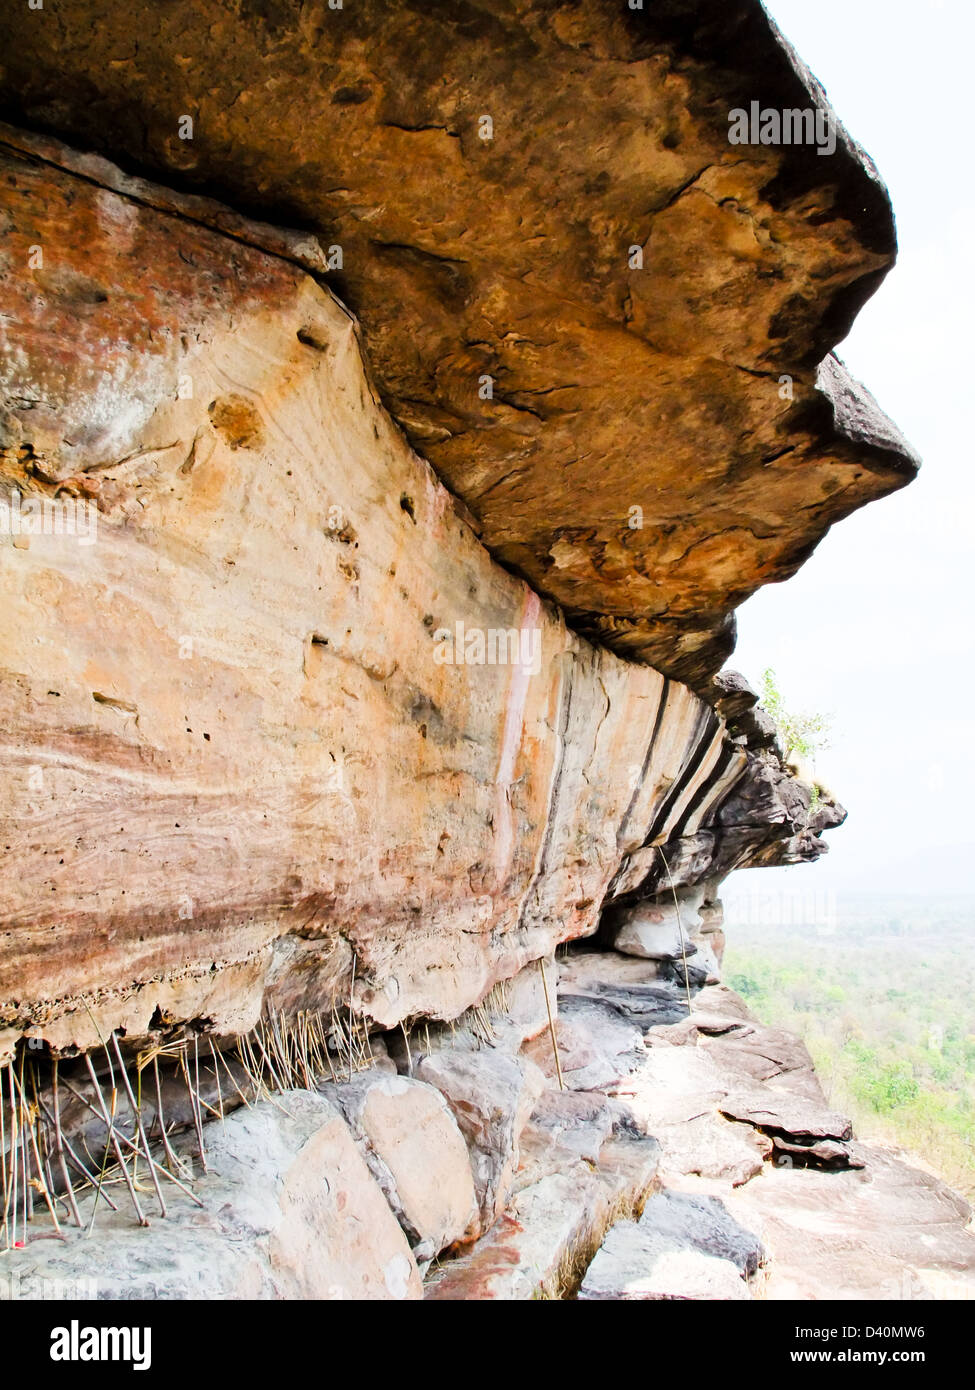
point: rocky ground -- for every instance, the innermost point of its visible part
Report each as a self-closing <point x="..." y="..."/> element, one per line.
<point x="690" y="1155"/>
<point x="759" y="1189"/>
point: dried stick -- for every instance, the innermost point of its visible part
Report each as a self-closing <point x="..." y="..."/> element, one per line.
<point x="69" y="1150"/>
<point x="351" y="1015"/>
<point x="40" y="1172"/>
<point x="551" y="1025"/>
<point x="59" y="1145"/>
<point x="171" y="1158"/>
<point x="3" y="1158"/>
<point x="129" y="1143"/>
<point x="409" y="1055"/>
<point x="216" y="1078"/>
<point x="140" y="1128"/>
<point x="113" y="1139"/>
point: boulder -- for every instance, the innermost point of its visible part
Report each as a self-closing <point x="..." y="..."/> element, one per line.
<point x="416" y="1153"/>
<point x="644" y="1006"/>
<point x="638" y="1263"/>
<point x="710" y="1147"/>
<point x="661" y="929"/>
<point x="491" y="1096"/>
<point x="892" y="1232"/>
<point x="290" y="1211"/>
<point x="731" y="695"/>
<point x="703" y="1223"/>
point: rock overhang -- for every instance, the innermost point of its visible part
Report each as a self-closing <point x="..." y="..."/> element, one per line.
<point x="240" y="765"/>
<point x="656" y="442"/>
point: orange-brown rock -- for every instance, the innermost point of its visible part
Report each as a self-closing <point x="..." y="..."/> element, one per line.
<point x="660" y="439"/>
<point x="242" y="758"/>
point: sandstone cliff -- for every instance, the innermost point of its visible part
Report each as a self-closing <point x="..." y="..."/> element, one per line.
<point x="364" y="592"/>
<point x="259" y="739"/>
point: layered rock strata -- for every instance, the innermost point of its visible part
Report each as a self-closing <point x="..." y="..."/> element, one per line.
<point x="276" y="727"/>
<point x="293" y="733"/>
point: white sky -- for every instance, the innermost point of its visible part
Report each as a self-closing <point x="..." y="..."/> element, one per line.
<point x="877" y="627"/>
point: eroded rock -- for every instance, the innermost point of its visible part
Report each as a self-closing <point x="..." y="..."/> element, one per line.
<point x="417" y="1154"/>
<point x="304" y="796"/>
<point x="492" y="1096"/>
<point x="290" y="1210"/>
<point x="703" y="1223"/>
<point x="677" y="317"/>
<point x="637" y="1263"/>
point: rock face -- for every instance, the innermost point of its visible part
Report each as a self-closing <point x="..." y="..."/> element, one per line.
<point x="363" y="591"/>
<point x="262" y="637"/>
<point x="290" y="734"/>
<point x="491" y="1096"/>
<point x="605" y="325"/>
<point x="290" y="1210"/>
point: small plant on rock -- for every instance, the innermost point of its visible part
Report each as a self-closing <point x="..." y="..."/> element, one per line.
<point x="803" y="735"/>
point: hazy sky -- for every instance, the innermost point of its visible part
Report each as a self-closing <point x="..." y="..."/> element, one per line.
<point x="877" y="627"/>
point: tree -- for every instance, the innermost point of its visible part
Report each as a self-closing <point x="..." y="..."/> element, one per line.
<point x="804" y="734"/>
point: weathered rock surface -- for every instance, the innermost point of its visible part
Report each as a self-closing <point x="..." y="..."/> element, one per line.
<point x="598" y="1194"/>
<point x="704" y="1224"/>
<point x="598" y="1044"/>
<point x="890" y="1231"/>
<point x="638" y="1263"/>
<point x="491" y="1096"/>
<point x="291" y="725"/>
<point x="791" y="1115"/>
<point x="838" y="1219"/>
<point x="416" y="1153"/>
<point x="659" y="930"/>
<point x="512" y="258"/>
<point x="290" y="1211"/>
<point x="582" y="1167"/>
<point x="227" y="779"/>
<point x="513" y="1012"/>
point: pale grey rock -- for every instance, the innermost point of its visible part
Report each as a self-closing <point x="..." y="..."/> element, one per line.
<point x="891" y="1232"/>
<point x="290" y="1211"/>
<point x="662" y="929"/>
<point x="788" y="1114"/>
<point x="710" y="1147"/>
<point x="644" y="1006"/>
<point x="491" y="1096"/>
<point x="579" y="1122"/>
<point x="642" y="1263"/>
<point x="597" y="1044"/>
<point x="565" y="1200"/>
<point x="704" y="1223"/>
<point x="416" y="1153"/>
<point x="512" y="1013"/>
